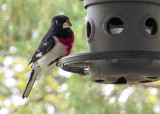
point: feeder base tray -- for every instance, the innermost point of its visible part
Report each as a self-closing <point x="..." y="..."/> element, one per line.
<point x="115" y="67"/>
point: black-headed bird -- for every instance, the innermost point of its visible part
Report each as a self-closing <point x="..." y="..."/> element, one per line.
<point x="56" y="43"/>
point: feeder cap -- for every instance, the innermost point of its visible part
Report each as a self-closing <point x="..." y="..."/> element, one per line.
<point x="91" y="2"/>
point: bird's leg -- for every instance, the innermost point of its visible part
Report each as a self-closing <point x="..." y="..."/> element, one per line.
<point x="53" y="62"/>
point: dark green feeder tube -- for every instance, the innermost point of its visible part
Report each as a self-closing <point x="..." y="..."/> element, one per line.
<point x="129" y="27"/>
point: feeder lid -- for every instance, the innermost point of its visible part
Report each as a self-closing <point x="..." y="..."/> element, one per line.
<point x="91" y="2"/>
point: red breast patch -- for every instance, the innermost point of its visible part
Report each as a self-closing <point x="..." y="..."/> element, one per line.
<point x="67" y="42"/>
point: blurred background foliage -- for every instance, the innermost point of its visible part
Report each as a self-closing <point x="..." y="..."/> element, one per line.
<point x="23" y="23"/>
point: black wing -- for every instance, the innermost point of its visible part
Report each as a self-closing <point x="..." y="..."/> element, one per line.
<point x="46" y="45"/>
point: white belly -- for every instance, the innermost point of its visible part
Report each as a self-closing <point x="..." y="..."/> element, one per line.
<point x="59" y="50"/>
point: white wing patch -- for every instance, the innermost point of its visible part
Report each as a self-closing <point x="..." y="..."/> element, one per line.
<point x="38" y="50"/>
<point x="39" y="55"/>
<point x="45" y="44"/>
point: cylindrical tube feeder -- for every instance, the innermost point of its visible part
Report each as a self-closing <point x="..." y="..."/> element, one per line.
<point x="123" y="41"/>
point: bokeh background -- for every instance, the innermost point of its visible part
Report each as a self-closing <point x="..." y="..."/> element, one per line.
<point x="23" y="23"/>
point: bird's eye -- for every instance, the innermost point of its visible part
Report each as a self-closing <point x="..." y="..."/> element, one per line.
<point x="57" y="22"/>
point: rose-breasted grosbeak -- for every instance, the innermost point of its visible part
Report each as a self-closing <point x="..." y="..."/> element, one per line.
<point x="56" y="43"/>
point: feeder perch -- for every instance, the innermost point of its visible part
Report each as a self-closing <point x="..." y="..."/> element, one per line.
<point x="123" y="42"/>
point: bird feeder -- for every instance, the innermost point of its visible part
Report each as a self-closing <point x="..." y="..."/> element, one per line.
<point x="123" y="42"/>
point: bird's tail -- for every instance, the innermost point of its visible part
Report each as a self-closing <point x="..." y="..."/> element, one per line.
<point x="35" y="72"/>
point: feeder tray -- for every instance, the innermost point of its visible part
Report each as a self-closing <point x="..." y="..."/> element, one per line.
<point x="80" y="63"/>
<point x="123" y="42"/>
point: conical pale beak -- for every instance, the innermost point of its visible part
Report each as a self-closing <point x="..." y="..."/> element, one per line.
<point x="67" y="24"/>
